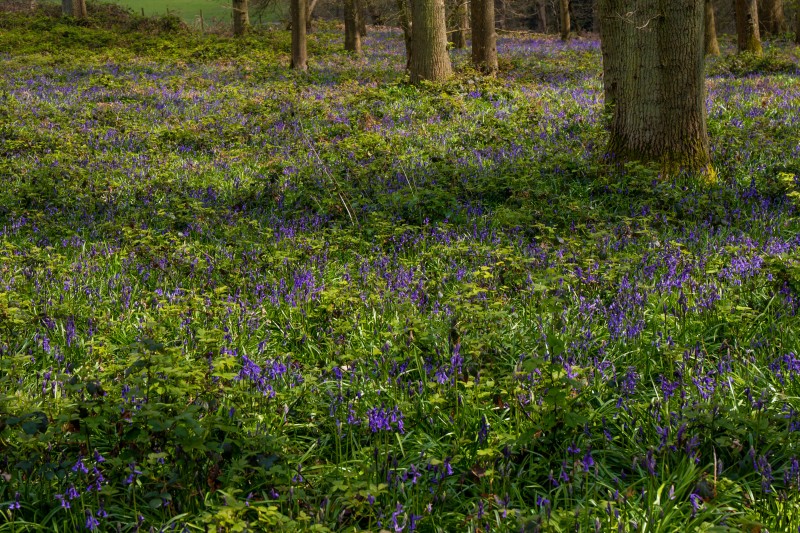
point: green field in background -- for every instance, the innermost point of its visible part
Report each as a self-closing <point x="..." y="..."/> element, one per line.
<point x="189" y="10"/>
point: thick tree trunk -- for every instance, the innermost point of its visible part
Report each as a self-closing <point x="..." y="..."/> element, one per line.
<point x="771" y="16"/>
<point x="404" y="7"/>
<point x="653" y="73"/>
<point x="299" y="18"/>
<point x="430" y="60"/>
<point x="564" y="19"/>
<point x="712" y="45"/>
<point x="484" y="36"/>
<point x="352" y="37"/>
<point x="74" y="8"/>
<point x="241" y="17"/>
<point x="462" y="21"/>
<point x="542" y="11"/>
<point x="748" y="36"/>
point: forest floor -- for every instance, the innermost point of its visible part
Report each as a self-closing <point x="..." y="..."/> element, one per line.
<point x="235" y="296"/>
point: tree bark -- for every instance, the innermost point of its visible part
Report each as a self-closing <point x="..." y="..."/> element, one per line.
<point x="361" y="10"/>
<point x="74" y="8"/>
<point x="564" y="19"/>
<point x="462" y="20"/>
<point x="299" y="52"/>
<point x="575" y="25"/>
<point x="771" y="17"/>
<point x="309" y="16"/>
<point x="542" y="11"/>
<point x="408" y="34"/>
<point x="374" y="13"/>
<point x="484" y="36"/>
<point x="653" y="74"/>
<point x="241" y="17"/>
<point x="430" y="60"/>
<point x="352" y="37"/>
<point x="712" y="45"/>
<point x="748" y="36"/>
<point x="797" y="27"/>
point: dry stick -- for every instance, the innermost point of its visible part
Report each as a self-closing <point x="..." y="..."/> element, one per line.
<point x="336" y="185"/>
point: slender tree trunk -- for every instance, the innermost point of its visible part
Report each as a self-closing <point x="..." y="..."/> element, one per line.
<point x="653" y="73"/>
<point x="299" y="18"/>
<point x="797" y="26"/>
<point x="484" y="36"/>
<point x="74" y="8"/>
<point x="241" y="17"/>
<point x="309" y="16"/>
<point x="564" y="19"/>
<point x="375" y="13"/>
<point x="771" y="16"/>
<point x="361" y="10"/>
<point x="712" y="45"/>
<point x="542" y="10"/>
<point x="430" y="60"/>
<point x="747" y="34"/>
<point x="408" y="30"/>
<point x="574" y="25"/>
<point x="462" y="20"/>
<point x="352" y="37"/>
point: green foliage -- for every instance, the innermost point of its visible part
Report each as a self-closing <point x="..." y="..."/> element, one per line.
<point x="773" y="61"/>
<point x="239" y="298"/>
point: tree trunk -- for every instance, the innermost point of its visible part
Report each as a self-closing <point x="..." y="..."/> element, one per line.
<point x="361" y="16"/>
<point x="712" y="45"/>
<point x="462" y="20"/>
<point x="574" y="25"/>
<point x="241" y="17"/>
<point x="309" y="16"/>
<point x="747" y="33"/>
<point x="542" y="10"/>
<point x="352" y="37"/>
<point x="564" y="19"/>
<point x="408" y="34"/>
<point x="771" y="17"/>
<point x="299" y="18"/>
<point x="74" y="8"/>
<point x="484" y="36"/>
<point x="653" y="74"/>
<point x="375" y="13"/>
<point x="797" y="26"/>
<point x="430" y="60"/>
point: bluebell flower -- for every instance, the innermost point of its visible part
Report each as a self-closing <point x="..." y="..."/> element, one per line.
<point x="91" y="521"/>
<point x="15" y="504"/>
